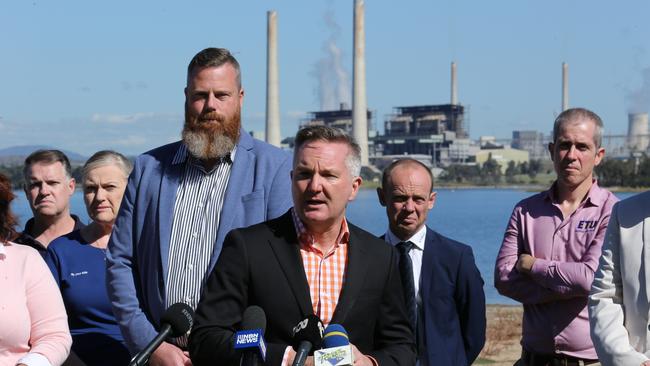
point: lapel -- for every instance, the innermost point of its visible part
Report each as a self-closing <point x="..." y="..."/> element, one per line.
<point x="239" y="184"/>
<point x="426" y="271"/>
<point x="645" y="232"/>
<point x="356" y="270"/>
<point x="171" y="176"/>
<point x="285" y="246"/>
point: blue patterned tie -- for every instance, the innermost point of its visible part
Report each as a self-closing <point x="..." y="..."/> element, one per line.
<point x="406" y="272"/>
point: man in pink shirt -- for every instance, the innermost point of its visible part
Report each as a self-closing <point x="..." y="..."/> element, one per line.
<point x="551" y="247"/>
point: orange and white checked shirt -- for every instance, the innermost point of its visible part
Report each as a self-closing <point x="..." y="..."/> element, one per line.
<point x="325" y="271"/>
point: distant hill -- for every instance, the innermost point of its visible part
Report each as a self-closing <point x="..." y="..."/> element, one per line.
<point x="15" y="155"/>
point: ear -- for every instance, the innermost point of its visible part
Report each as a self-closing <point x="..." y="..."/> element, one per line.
<point x="71" y="185"/>
<point x="241" y="97"/>
<point x="356" y="183"/>
<point x="600" y="154"/>
<point x="432" y="200"/>
<point x="551" y="147"/>
<point x="380" y="196"/>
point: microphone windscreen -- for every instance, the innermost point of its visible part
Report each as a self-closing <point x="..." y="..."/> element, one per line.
<point x="310" y="329"/>
<point x="335" y="336"/>
<point x="180" y="317"/>
<point x="254" y="318"/>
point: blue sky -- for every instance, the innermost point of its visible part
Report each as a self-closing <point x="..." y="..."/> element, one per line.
<point x="85" y="76"/>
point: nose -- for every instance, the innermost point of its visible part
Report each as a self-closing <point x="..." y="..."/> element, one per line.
<point x="100" y="195"/>
<point x="44" y="189"/>
<point x="409" y="205"/>
<point x="210" y="103"/>
<point x="315" y="183"/>
<point x="571" y="153"/>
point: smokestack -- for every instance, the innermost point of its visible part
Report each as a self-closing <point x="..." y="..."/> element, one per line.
<point x="272" y="88"/>
<point x="454" y="86"/>
<point x="565" y="86"/>
<point x="637" y="132"/>
<point x="359" y="103"/>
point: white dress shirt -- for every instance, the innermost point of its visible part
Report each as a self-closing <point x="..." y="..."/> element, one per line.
<point x="418" y="239"/>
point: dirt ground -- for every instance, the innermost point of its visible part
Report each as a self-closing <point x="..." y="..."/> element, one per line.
<point x="503" y="334"/>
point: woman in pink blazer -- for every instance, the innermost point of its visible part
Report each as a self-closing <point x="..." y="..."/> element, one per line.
<point x="33" y="323"/>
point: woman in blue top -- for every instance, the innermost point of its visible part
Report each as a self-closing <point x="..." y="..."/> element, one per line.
<point x="77" y="261"/>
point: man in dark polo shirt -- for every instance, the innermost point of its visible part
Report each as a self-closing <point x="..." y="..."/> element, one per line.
<point x="48" y="188"/>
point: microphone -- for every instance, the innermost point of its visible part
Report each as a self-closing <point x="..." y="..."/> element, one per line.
<point x="307" y="335"/>
<point x="250" y="340"/>
<point x="175" y="322"/>
<point x="336" y="348"/>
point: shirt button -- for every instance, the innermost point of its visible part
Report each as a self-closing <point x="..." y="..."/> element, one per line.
<point x="194" y="234"/>
<point x="190" y="266"/>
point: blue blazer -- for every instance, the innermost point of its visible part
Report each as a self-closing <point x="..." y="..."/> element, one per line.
<point x="453" y="302"/>
<point x="259" y="188"/>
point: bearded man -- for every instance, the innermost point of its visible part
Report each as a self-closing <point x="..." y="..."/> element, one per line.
<point x="181" y="201"/>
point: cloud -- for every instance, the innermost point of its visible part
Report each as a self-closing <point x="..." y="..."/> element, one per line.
<point x="85" y="89"/>
<point x="123" y="118"/>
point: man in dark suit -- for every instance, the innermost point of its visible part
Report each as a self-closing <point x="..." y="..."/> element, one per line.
<point x="443" y="287"/>
<point x="308" y="261"/>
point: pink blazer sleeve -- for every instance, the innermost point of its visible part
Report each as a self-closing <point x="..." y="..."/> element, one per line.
<point x="49" y="334"/>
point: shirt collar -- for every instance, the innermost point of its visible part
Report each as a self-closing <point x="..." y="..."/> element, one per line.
<point x="418" y="239"/>
<point x="182" y="156"/>
<point x="596" y="196"/>
<point x="306" y="239"/>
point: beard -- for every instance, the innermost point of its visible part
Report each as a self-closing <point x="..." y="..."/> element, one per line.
<point x="211" y="140"/>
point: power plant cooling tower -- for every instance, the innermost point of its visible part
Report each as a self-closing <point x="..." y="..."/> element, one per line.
<point x="637" y="133"/>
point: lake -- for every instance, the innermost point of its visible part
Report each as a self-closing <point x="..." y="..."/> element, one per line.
<point x="477" y="217"/>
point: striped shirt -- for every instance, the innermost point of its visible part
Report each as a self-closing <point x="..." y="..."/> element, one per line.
<point x="197" y="212"/>
<point x="325" y="271"/>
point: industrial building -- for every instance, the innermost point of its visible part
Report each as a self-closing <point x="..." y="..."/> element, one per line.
<point x="502" y="157"/>
<point x="435" y="130"/>
<point x="532" y="141"/>
<point x="341" y="118"/>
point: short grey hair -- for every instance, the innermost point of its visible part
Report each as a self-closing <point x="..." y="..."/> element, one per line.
<point x="106" y="157"/>
<point x="331" y="134"/>
<point x="213" y="57"/>
<point x="47" y="157"/>
<point x="575" y="114"/>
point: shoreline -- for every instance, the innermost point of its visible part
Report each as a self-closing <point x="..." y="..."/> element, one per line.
<point x="520" y="187"/>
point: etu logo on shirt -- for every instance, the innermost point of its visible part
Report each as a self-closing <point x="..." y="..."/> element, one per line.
<point x="586" y="225"/>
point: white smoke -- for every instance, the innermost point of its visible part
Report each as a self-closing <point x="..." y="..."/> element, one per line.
<point x="333" y="81"/>
<point x="639" y="100"/>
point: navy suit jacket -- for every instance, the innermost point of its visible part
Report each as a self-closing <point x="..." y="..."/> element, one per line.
<point x="453" y="302"/>
<point x="259" y="188"/>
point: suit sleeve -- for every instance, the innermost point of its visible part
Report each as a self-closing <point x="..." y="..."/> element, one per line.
<point x="606" y="315"/>
<point x="280" y="193"/>
<point x="121" y="275"/>
<point x="219" y="313"/>
<point x="507" y="280"/>
<point x="394" y="340"/>
<point x="470" y="304"/>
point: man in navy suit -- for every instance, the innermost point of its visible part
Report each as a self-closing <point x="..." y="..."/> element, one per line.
<point x="443" y="288"/>
<point x="181" y="201"/>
